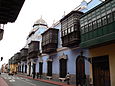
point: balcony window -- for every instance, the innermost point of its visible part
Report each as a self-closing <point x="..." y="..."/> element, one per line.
<point x="99" y="23"/>
<point x="69" y="30"/>
<point x="90" y="26"/>
<point x="109" y="18"/>
<point x="65" y="32"/>
<point x="82" y="30"/>
<point x="94" y="25"/>
<point x="114" y="15"/>
<point x="86" y="28"/>
<point x="72" y="29"/>
<point x="104" y="20"/>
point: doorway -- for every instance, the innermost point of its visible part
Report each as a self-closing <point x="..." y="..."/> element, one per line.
<point x="80" y="71"/>
<point x="101" y="71"/>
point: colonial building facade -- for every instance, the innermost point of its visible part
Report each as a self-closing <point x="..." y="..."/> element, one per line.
<point x="53" y="52"/>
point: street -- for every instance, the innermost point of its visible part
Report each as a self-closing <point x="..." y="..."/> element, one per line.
<point x="19" y="81"/>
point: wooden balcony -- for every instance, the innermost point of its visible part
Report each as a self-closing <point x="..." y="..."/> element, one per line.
<point x="71" y="40"/>
<point x="49" y="48"/>
<point x="33" y="49"/>
<point x="24" y="54"/>
<point x="70" y="29"/>
<point x="49" y="40"/>
<point x="17" y="57"/>
<point x="101" y="31"/>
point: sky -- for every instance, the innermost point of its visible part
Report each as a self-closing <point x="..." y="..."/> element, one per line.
<point x="15" y="34"/>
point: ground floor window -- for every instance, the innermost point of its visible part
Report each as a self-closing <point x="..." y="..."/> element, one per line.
<point x="49" y="68"/>
<point x="22" y="68"/>
<point x="34" y="70"/>
<point x="25" y="68"/>
<point x="29" y="68"/>
<point x="40" y="68"/>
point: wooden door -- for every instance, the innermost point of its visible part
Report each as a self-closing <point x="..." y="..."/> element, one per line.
<point x="101" y="72"/>
<point x="80" y="71"/>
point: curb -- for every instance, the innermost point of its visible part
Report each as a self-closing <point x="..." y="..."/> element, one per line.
<point x="47" y="81"/>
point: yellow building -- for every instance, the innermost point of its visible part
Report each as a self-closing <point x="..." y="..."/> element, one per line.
<point x="13" y="68"/>
<point x="103" y="64"/>
<point x="13" y="65"/>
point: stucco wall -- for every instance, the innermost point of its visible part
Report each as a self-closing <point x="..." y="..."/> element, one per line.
<point x="71" y="62"/>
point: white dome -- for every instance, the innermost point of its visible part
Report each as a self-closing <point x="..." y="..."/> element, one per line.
<point x="40" y="22"/>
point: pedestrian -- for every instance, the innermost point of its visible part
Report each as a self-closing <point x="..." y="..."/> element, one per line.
<point x="34" y="75"/>
<point x="37" y="75"/>
<point x="40" y="76"/>
<point x="68" y="78"/>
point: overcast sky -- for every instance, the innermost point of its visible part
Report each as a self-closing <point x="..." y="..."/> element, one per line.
<point x="15" y="34"/>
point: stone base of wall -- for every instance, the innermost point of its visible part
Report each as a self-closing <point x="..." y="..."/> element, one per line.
<point x="72" y="78"/>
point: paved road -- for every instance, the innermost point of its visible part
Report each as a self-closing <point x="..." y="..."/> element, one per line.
<point x="19" y="81"/>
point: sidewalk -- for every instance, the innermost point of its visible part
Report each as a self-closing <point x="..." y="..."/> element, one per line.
<point x="2" y="82"/>
<point x="43" y="80"/>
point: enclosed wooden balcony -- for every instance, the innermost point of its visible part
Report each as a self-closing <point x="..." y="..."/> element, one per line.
<point x="24" y="54"/>
<point x="33" y="49"/>
<point x="49" y="40"/>
<point x="18" y="57"/>
<point x="98" y="25"/>
<point x="70" y="29"/>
